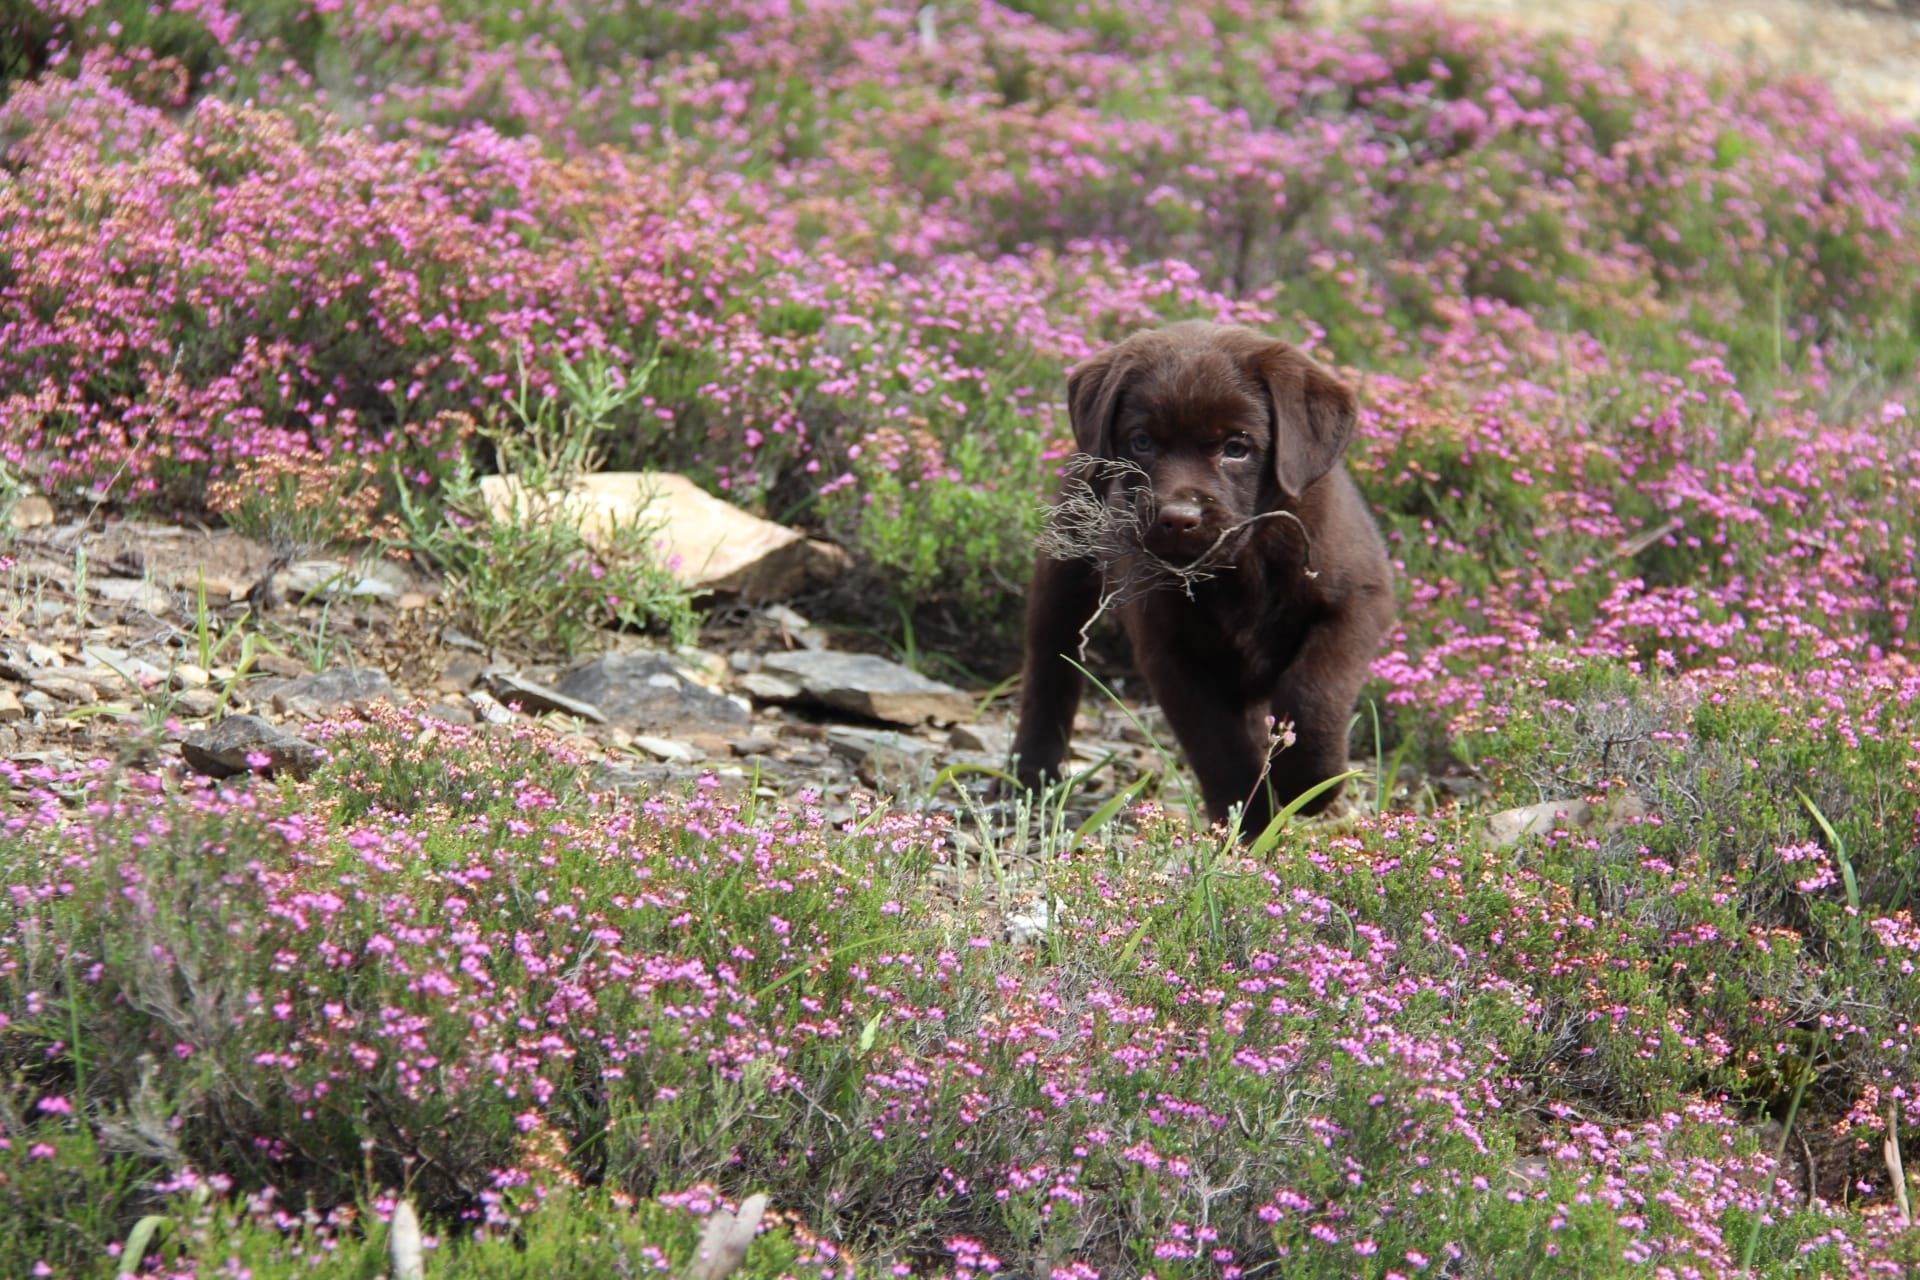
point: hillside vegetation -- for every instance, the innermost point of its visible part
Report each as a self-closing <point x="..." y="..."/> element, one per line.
<point x="1636" y="348"/>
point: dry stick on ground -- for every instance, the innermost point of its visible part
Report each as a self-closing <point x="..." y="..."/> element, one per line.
<point x="1896" y="1169"/>
<point x="1085" y="524"/>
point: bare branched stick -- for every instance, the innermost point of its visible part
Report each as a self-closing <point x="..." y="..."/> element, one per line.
<point x="1896" y="1168"/>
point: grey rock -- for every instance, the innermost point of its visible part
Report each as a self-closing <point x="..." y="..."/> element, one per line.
<point x="534" y="698"/>
<point x="40" y="656"/>
<point x="121" y="666"/>
<point x="460" y="672"/>
<point x="649" y="779"/>
<point x="38" y="703"/>
<point x="870" y="686"/>
<point x="135" y="593"/>
<point x="338" y="580"/>
<point x="882" y="758"/>
<point x="988" y="739"/>
<point x="65" y="688"/>
<point x="667" y="749"/>
<point x="488" y="708"/>
<point x="317" y="694"/>
<point x="649" y="693"/>
<point x="197" y="704"/>
<point x="222" y="750"/>
<point x="762" y="687"/>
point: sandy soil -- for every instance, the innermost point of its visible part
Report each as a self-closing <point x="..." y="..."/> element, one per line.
<point x="1869" y="52"/>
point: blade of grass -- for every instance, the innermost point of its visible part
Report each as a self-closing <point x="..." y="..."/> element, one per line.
<point x="1267" y="839"/>
<point x="1106" y="812"/>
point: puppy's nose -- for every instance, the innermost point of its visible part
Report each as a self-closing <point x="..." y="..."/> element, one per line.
<point x="1180" y="517"/>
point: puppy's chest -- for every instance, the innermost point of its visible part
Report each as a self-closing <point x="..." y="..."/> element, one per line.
<point x="1239" y="638"/>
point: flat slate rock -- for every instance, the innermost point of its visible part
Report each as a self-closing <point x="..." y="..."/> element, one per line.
<point x="649" y="693"/>
<point x="317" y="694"/>
<point x="533" y="697"/>
<point x="870" y="686"/>
<point x="222" y="750"/>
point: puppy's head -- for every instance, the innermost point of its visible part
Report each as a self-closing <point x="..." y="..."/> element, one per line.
<point x="1201" y="427"/>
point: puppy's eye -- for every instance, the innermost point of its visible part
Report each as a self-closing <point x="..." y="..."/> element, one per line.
<point x="1140" y="442"/>
<point x="1236" y="449"/>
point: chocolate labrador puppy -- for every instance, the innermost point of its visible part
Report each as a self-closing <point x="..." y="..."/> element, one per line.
<point x="1208" y="507"/>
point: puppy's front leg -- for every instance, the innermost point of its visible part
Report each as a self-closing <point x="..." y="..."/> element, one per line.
<point x="1317" y="692"/>
<point x="1062" y="601"/>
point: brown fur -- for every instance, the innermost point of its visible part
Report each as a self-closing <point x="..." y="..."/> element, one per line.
<point x="1240" y="557"/>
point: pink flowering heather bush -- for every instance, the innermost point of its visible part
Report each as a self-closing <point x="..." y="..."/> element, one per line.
<point x="445" y="965"/>
<point x="1636" y="349"/>
<point x="864" y="249"/>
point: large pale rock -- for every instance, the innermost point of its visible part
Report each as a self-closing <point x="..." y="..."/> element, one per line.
<point x="869" y="686"/>
<point x="707" y="544"/>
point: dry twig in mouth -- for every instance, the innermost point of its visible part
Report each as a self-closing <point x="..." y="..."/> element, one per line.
<point x="1084" y="524"/>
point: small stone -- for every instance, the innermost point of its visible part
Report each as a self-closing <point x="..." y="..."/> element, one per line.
<point x="488" y="708"/>
<point x="31" y="512"/>
<point x="38" y="703"/>
<point x="762" y="687"/>
<point x="535" y="698"/>
<point x="666" y="749"/>
<point x="224" y="750"/>
<point x="135" y="593"/>
<point x="197" y="704"/>
<point x="65" y="688"/>
<point x="279" y="664"/>
<point x="868" y="685"/>
<point x="118" y="667"/>
<point x="883" y="758"/>
<point x="41" y="656"/>
<point x="449" y="713"/>
<point x="974" y="736"/>
<point x="315" y="695"/>
<point x="188" y="676"/>
<point x="460" y="672"/>
<point x="10" y="708"/>
<point x="1028" y="924"/>
<point x="1513" y="825"/>
<point x="338" y="580"/>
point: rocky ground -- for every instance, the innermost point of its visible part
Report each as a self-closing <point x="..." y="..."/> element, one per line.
<point x="130" y="638"/>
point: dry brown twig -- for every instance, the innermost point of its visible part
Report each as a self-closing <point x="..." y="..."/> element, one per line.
<point x="1101" y="517"/>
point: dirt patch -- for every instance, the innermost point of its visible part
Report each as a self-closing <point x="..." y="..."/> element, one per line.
<point x="1869" y="52"/>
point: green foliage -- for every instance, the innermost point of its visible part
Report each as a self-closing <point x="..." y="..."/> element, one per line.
<point x="521" y="567"/>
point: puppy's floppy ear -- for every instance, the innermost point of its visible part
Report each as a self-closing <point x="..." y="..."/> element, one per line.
<point x="1313" y="415"/>
<point x="1093" y="397"/>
